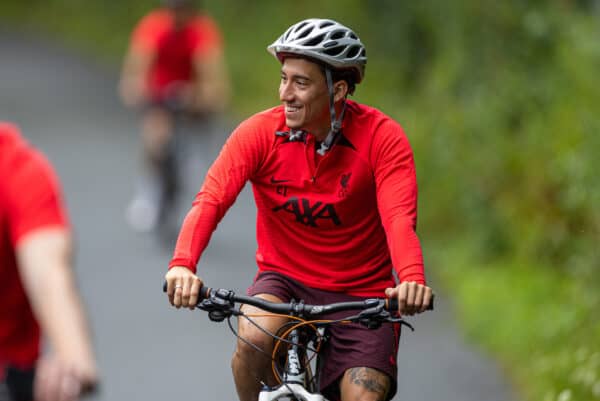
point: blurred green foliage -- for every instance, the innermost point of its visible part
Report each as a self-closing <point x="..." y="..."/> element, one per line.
<point x="501" y="102"/>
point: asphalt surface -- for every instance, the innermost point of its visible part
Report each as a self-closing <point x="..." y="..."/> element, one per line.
<point x="67" y="106"/>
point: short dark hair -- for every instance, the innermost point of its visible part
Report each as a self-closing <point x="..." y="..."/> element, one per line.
<point x="348" y="75"/>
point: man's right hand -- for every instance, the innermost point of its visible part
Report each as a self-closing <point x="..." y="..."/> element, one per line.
<point x="183" y="287"/>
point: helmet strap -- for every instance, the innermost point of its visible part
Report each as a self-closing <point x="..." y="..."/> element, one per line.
<point x="336" y="124"/>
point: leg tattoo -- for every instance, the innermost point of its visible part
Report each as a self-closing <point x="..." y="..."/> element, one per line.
<point x="371" y="380"/>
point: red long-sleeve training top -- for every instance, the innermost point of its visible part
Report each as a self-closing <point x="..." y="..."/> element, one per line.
<point x="337" y="222"/>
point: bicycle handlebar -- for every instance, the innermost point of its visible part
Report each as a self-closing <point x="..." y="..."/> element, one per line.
<point x="389" y="304"/>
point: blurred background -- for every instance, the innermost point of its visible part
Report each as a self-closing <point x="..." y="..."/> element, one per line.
<point x="501" y="103"/>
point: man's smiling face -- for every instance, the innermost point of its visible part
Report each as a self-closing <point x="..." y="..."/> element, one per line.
<point x="303" y="92"/>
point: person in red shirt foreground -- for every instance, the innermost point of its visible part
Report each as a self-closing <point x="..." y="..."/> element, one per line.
<point x="174" y="65"/>
<point x="38" y="293"/>
<point x="336" y="194"/>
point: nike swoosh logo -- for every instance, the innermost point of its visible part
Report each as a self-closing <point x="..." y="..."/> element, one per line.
<point x="274" y="181"/>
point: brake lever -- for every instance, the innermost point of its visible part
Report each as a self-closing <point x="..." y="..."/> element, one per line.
<point x="401" y="321"/>
<point x="218" y="308"/>
<point x="374" y="317"/>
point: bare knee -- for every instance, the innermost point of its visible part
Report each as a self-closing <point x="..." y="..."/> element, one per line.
<point x="364" y="384"/>
<point x="250" y="367"/>
<point x="253" y="353"/>
<point x="253" y="350"/>
<point x="256" y="354"/>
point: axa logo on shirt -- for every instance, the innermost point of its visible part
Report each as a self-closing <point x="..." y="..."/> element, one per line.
<point x="307" y="213"/>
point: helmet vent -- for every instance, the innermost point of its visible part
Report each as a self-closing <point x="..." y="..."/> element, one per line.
<point x="353" y="36"/>
<point x="334" y="51"/>
<point x="325" y="24"/>
<point x="304" y="33"/>
<point x="353" y="52"/>
<point x="300" y="26"/>
<point x="337" y="35"/>
<point x="315" y="41"/>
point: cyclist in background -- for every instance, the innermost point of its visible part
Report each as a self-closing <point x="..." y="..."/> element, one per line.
<point x="174" y="64"/>
<point x="336" y="194"/>
<point x="38" y="292"/>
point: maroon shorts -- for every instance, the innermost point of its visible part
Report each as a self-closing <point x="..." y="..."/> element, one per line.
<point x="349" y="345"/>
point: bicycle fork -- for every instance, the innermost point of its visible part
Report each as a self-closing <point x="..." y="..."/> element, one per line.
<point x="294" y="372"/>
<point x="294" y="384"/>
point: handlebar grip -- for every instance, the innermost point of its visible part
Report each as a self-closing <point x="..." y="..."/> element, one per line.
<point x="202" y="294"/>
<point x="430" y="307"/>
<point x="392" y="303"/>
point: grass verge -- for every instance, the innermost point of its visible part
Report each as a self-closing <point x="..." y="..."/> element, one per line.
<point x="541" y="325"/>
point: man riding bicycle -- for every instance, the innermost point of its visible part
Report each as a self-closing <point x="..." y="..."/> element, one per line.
<point x="174" y="66"/>
<point x="336" y="194"/>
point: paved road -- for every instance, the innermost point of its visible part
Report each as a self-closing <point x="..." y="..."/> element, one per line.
<point x="66" y="105"/>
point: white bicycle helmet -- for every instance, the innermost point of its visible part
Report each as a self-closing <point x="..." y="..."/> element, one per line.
<point x="325" y="40"/>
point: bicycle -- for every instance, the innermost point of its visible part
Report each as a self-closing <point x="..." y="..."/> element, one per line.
<point x="297" y="371"/>
<point x="155" y="207"/>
